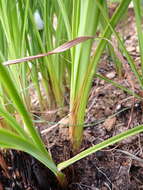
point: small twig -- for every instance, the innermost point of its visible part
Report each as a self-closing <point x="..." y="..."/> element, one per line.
<point x="131" y="114"/>
<point x="131" y="155"/>
<point x="104" y="175"/>
<point x="80" y="184"/>
<point x="111" y="149"/>
<point x="61" y="122"/>
<point x="140" y="146"/>
<point x="54" y="126"/>
<point x="107" y="185"/>
<point x="126" y="99"/>
<point x="92" y="104"/>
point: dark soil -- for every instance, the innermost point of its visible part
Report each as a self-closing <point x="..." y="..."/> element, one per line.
<point x="21" y="171"/>
<point x="110" y="111"/>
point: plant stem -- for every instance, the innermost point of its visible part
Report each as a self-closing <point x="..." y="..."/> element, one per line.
<point x="79" y="102"/>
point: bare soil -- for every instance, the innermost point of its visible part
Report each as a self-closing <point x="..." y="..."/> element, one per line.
<point x="110" y="111"/>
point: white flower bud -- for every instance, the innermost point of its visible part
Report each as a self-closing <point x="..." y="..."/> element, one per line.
<point x="38" y="21"/>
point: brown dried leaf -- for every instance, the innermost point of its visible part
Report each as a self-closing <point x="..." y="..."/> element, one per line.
<point x="59" y="49"/>
<point x="4" y="165"/>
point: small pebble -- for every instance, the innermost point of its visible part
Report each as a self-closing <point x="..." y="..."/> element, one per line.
<point x="109" y="123"/>
<point x="108" y="111"/>
<point x="118" y="107"/>
<point x="111" y="75"/>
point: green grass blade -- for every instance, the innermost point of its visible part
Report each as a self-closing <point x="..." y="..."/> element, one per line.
<point x="24" y="25"/>
<point x="110" y="49"/>
<point x="128" y="57"/>
<point x="10" y="88"/>
<point x="88" y="20"/>
<point x="101" y="145"/>
<point x="13" y="123"/>
<point x="78" y="103"/>
<point x="13" y="141"/>
<point x="65" y="17"/>
<point x="138" y="17"/>
<point x="116" y="84"/>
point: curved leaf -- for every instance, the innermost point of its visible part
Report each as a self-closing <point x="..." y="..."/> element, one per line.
<point x="10" y="140"/>
<point x="13" y="123"/>
<point x="6" y="80"/>
<point x="101" y="145"/>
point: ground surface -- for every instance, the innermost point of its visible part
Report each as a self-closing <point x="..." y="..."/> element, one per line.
<point x="110" y="111"/>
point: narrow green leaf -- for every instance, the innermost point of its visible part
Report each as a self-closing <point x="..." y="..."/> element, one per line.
<point x="116" y="84"/>
<point x="13" y="123"/>
<point x="128" y="57"/>
<point x="12" y="91"/>
<point x="10" y="140"/>
<point x="101" y="145"/>
<point x="138" y="17"/>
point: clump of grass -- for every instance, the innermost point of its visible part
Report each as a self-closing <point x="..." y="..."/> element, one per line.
<point x="81" y="20"/>
<point x="84" y="69"/>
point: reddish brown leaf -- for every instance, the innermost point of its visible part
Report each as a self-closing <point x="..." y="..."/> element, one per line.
<point x="59" y="49"/>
